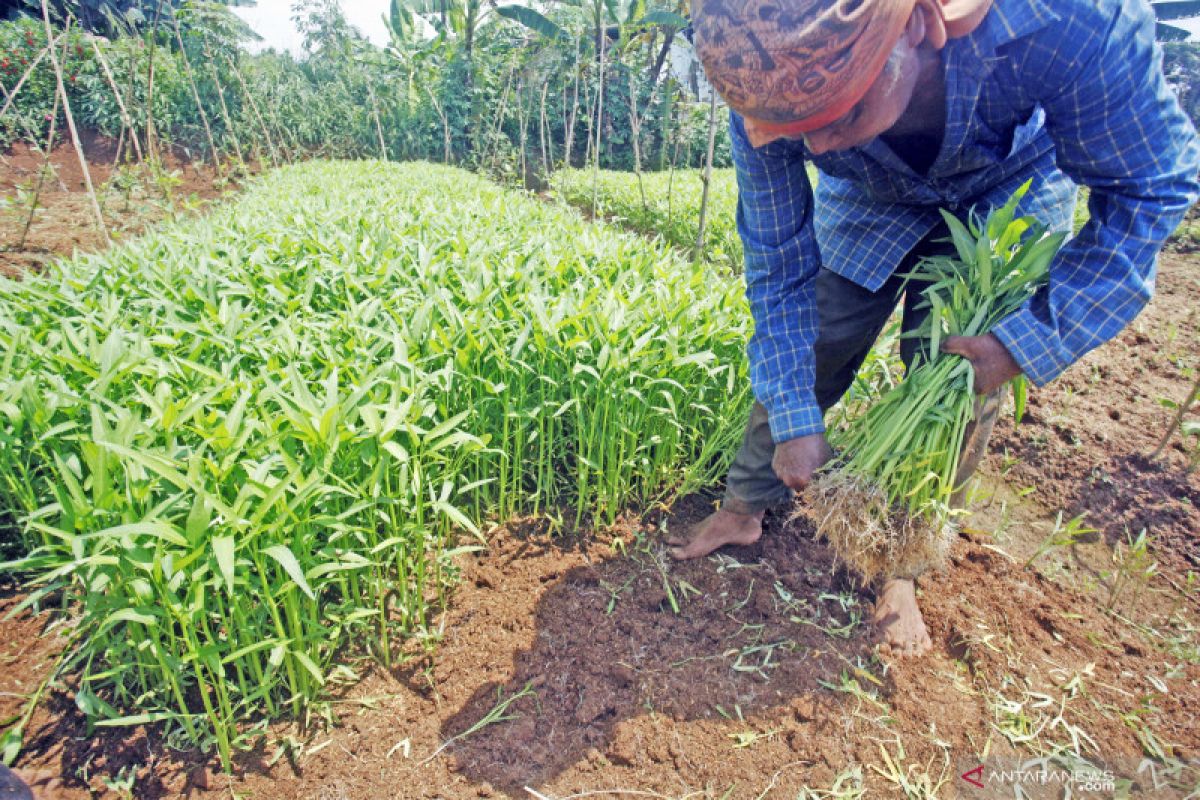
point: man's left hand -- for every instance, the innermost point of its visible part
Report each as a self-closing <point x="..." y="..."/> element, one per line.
<point x="994" y="365"/>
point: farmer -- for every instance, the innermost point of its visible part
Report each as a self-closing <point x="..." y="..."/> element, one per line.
<point x="905" y="107"/>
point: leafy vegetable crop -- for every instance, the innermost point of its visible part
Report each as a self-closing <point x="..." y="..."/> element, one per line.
<point x="671" y="209"/>
<point x="245" y="443"/>
<point x="884" y="504"/>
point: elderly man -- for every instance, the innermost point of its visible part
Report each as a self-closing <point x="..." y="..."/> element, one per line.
<point x="905" y="107"/>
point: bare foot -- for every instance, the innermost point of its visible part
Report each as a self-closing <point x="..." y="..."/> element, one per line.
<point x="716" y="530"/>
<point x="899" y="628"/>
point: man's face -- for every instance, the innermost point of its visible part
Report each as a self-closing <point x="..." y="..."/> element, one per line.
<point x="878" y="111"/>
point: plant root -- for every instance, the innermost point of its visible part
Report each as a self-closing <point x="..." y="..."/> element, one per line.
<point x="872" y="536"/>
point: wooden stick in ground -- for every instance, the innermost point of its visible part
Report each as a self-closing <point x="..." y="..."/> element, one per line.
<point x="126" y="118"/>
<point x="120" y="149"/>
<point x="1177" y="421"/>
<point x="289" y="145"/>
<point x="62" y="91"/>
<point x="522" y="127"/>
<point x="599" y="126"/>
<point x="151" y="132"/>
<point x="237" y="73"/>
<point x="237" y="148"/>
<point x="187" y="68"/>
<point x="569" y="134"/>
<point x="46" y="163"/>
<point x="445" y="124"/>
<point x="635" y="126"/>
<point x="383" y="153"/>
<point x="708" y="163"/>
<point x="37" y="189"/>
<point x="543" y="127"/>
<point x="30" y="133"/>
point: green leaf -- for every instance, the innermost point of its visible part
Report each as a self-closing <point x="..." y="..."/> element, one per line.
<point x="160" y="530"/>
<point x="533" y="20"/>
<point x="10" y="744"/>
<point x="91" y="705"/>
<point x="666" y="18"/>
<point x="223" y="547"/>
<point x="136" y="719"/>
<point x="287" y="560"/>
<point x="1020" y="390"/>
<point x="127" y="615"/>
<point x="309" y="665"/>
<point x="964" y="243"/>
<point x="198" y="519"/>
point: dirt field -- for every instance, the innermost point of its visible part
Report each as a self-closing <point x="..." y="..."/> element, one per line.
<point x="592" y="665"/>
<point x="130" y="198"/>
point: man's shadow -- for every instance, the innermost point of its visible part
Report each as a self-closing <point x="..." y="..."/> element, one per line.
<point x="754" y="628"/>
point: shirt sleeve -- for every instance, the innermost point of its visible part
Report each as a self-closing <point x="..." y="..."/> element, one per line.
<point x="1118" y="129"/>
<point x="774" y="221"/>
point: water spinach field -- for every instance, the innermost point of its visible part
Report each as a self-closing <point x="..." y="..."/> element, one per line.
<point x="243" y="445"/>
<point x="357" y="486"/>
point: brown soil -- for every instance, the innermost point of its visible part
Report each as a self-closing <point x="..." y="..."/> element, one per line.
<point x="751" y="674"/>
<point x="64" y="221"/>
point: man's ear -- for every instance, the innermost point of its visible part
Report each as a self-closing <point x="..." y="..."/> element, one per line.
<point x="926" y="24"/>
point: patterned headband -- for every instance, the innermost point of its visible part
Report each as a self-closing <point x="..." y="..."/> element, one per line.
<point x="809" y="61"/>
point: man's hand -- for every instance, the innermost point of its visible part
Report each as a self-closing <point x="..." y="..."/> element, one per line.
<point x="797" y="459"/>
<point x="994" y="365"/>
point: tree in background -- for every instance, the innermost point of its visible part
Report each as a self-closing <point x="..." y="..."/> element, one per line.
<point x="1181" y="65"/>
<point x="509" y="89"/>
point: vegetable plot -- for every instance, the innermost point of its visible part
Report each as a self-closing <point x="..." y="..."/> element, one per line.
<point x="242" y="444"/>
<point x="671" y="209"/>
<point x="884" y="505"/>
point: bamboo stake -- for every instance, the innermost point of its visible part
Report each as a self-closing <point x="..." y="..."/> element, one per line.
<point x="445" y="124"/>
<point x="62" y="90"/>
<point x="378" y="125"/>
<point x="500" y="115"/>
<point x="120" y="148"/>
<point x="37" y="189"/>
<point x="30" y="133"/>
<point x="547" y="157"/>
<point x="569" y="134"/>
<point x="126" y="118"/>
<point x="237" y="148"/>
<point x="1177" y="421"/>
<point x="589" y="101"/>
<point x="237" y="73"/>
<point x="599" y="126"/>
<point x="187" y="67"/>
<point x="708" y="162"/>
<point x="635" y="125"/>
<point x="522" y="127"/>
<point x="286" y="137"/>
<point x="151" y="132"/>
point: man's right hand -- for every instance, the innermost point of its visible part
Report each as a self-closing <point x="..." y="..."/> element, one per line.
<point x="797" y="459"/>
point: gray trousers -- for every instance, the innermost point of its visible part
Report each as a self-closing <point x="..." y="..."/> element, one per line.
<point x="850" y="319"/>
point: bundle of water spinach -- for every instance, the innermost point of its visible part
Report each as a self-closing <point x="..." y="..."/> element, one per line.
<point x="884" y="504"/>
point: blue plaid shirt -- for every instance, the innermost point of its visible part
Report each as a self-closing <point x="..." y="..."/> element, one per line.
<point x="1061" y="91"/>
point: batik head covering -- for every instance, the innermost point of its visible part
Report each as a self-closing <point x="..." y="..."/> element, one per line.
<point x="806" y="63"/>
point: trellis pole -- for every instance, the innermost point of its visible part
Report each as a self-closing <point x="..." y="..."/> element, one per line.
<point x="187" y="67"/>
<point x="126" y="117"/>
<point x="62" y="90"/>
